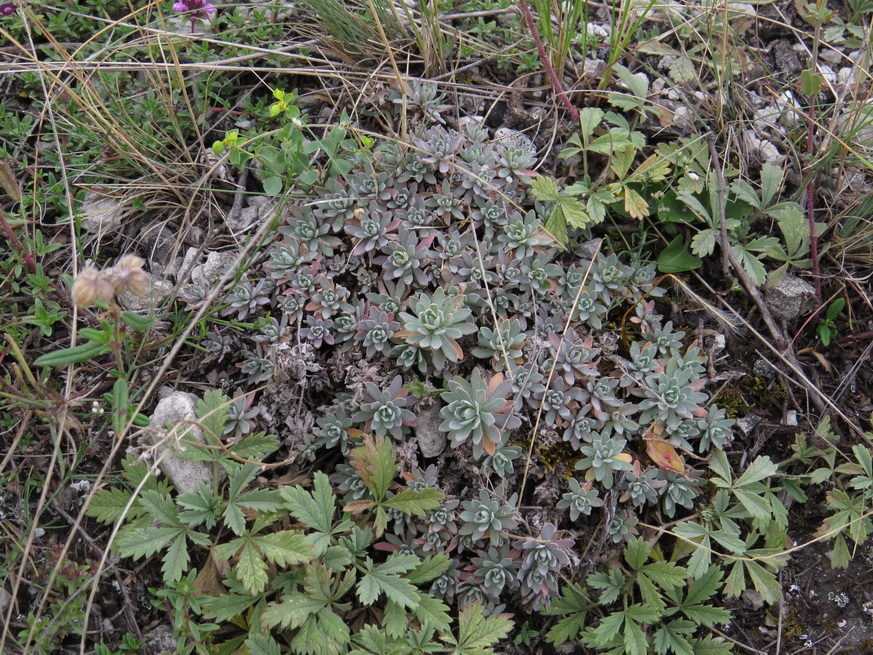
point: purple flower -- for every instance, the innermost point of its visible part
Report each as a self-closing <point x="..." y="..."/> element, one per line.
<point x="194" y="8"/>
<point x="7" y="9"/>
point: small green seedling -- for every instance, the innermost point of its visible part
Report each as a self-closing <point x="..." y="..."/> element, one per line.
<point x="827" y="330"/>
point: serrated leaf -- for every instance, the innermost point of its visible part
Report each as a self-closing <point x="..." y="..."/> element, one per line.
<point x="227" y="606"/>
<point x="642" y="614"/>
<point x="292" y="612"/>
<point x="160" y="507"/>
<point x="556" y="226"/>
<point x="385" y="579"/>
<point x="545" y="189"/>
<point x="754" y="504"/>
<point x="175" y="560"/>
<point x="707" y="614"/>
<point x="433" y="612"/>
<point x="256" y="446"/>
<point x="429" y="568"/>
<point x="375" y="464"/>
<point x="234" y="519"/>
<point x="608" y="628"/>
<point x="766" y="583"/>
<point x="650" y="594"/>
<point x="285" y="548"/>
<point x="108" y="505"/>
<point x="394" y="619"/>
<point x="315" y="511"/>
<point x="682" y="70"/>
<point x="145" y="542"/>
<point x="636" y="553"/>
<point x="415" y="503"/>
<point x="635" y="642"/>
<point x="476" y="632"/>
<point x="574" y="212"/>
<point x="751" y="264"/>
<point x="251" y="569"/>
<point x="761" y="469"/>
<point x="634" y="204"/>
<point x="336" y="558"/>
<point x="703" y="243"/>
<point x="711" y="646"/>
<point x="705" y="586"/>
<point x="672" y="638"/>
<point x="212" y="413"/>
<point x="666" y="575"/>
<point x="567" y="629"/>
<point x="258" y="643"/>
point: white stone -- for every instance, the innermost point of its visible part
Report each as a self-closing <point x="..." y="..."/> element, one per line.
<point x="178" y="407"/>
<point x="431" y="440"/>
<point x="101" y="215"/>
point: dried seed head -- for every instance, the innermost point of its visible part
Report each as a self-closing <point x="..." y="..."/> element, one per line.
<point x="127" y="275"/>
<point x="92" y="285"/>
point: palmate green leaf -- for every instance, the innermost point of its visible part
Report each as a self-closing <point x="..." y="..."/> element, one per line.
<point x="758" y="470"/>
<point x="212" y="413"/>
<point x="285" y="548"/>
<point x="145" y="542"/>
<point x="395" y="620"/>
<point x="754" y="504"/>
<point x="711" y="646"/>
<point x="386" y="579"/>
<point x="574" y="212"/>
<point x="160" y="507"/>
<point x="751" y="264"/>
<point x="256" y="446"/>
<point x="636" y="553"/>
<point x="201" y="507"/>
<point x="608" y="628"/>
<point x="771" y="180"/>
<point x="611" y="582"/>
<point x="323" y="633"/>
<point x="108" y="505"/>
<point x="251" y="569"/>
<point x="176" y="560"/>
<point x="476" y="632"/>
<point x="649" y="593"/>
<point x="429" y="568"/>
<point x="705" y="586"/>
<point x="374" y="641"/>
<point x="706" y="614"/>
<point x="227" y="606"/>
<point x="589" y="119"/>
<point x="673" y="637"/>
<point x="239" y="478"/>
<point x="575" y="605"/>
<point x="766" y="582"/>
<point x="415" y="503"/>
<point x="556" y="226"/>
<point x="545" y="189"/>
<point x="667" y="575"/>
<point x="635" y="642"/>
<point x="433" y="612"/>
<point x="293" y="611"/>
<point x="258" y="643"/>
<point x="375" y="464"/>
<point x="234" y="519"/>
<point x="315" y="511"/>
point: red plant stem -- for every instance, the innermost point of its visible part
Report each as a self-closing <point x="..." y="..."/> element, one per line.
<point x="16" y="243"/>
<point x="855" y="337"/>
<point x="556" y="83"/>
<point x="810" y="201"/>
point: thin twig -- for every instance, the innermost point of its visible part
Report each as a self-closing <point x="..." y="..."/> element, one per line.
<point x="556" y="83"/>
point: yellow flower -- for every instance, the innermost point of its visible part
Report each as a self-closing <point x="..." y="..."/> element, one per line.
<point x="92" y="285"/>
<point x="127" y="275"/>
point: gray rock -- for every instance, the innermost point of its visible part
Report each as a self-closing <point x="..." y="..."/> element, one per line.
<point x="791" y="298"/>
<point x="209" y="273"/>
<point x="748" y="423"/>
<point x="174" y="408"/>
<point x="431" y="442"/>
<point x="101" y="215"/>
<point x="752" y="600"/>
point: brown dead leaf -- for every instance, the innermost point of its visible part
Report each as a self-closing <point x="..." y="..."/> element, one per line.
<point x="663" y="453"/>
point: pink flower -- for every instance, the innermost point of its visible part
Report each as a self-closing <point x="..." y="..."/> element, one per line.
<point x="7" y="9"/>
<point x="194" y="8"/>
